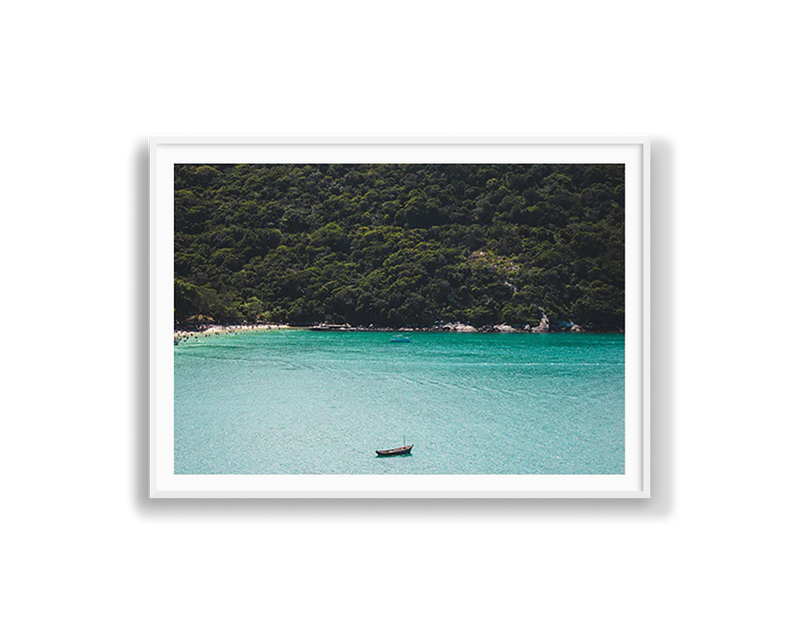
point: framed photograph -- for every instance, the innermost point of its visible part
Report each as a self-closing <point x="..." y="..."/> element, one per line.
<point x="399" y="317"/>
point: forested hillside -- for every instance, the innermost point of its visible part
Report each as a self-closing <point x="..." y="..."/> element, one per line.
<point x="400" y="245"/>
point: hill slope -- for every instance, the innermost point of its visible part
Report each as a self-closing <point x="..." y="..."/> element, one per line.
<point x="394" y="245"/>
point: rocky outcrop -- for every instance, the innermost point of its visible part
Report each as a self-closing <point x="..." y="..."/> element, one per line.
<point x="460" y="327"/>
<point x="505" y="328"/>
<point x="542" y="327"/>
<point x="545" y="326"/>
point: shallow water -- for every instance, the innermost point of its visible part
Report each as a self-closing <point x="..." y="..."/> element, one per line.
<point x="322" y="402"/>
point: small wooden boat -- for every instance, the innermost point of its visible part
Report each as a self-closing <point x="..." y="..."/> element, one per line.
<point x="399" y="451"/>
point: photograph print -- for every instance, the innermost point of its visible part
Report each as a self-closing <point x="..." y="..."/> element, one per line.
<point x="396" y="319"/>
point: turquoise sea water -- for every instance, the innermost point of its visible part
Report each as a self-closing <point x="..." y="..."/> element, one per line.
<point x="315" y="402"/>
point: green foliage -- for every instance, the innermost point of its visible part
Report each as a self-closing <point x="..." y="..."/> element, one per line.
<point x="394" y="245"/>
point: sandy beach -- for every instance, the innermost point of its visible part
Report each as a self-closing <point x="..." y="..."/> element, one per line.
<point x="217" y="329"/>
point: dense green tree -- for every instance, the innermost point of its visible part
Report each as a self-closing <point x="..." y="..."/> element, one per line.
<point x="400" y="245"/>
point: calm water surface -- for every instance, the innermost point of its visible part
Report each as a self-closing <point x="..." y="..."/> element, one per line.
<point x="312" y="402"/>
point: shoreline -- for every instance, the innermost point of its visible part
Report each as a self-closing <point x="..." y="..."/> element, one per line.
<point x="180" y="335"/>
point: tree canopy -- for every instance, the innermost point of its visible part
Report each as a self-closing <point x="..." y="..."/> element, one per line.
<point x="400" y="244"/>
